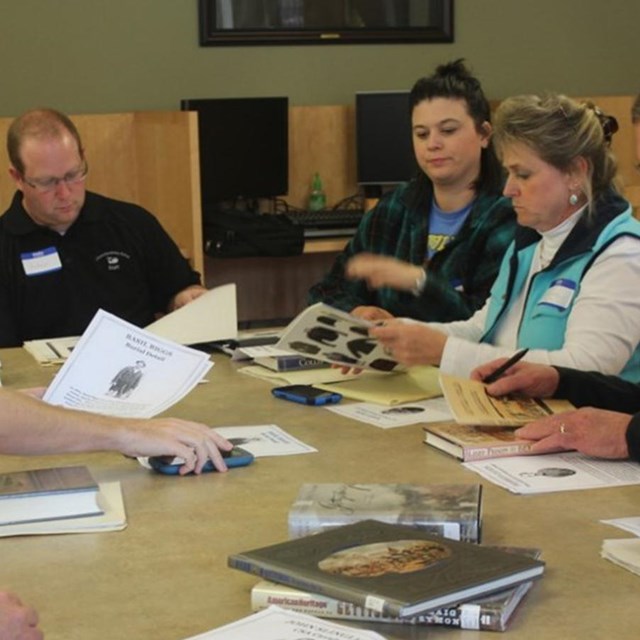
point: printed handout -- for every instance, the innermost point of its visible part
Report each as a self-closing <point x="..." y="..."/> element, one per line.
<point x="626" y="524"/>
<point x="211" y="317"/>
<point x="400" y="415"/>
<point x="275" y="623"/>
<point x="331" y="335"/>
<point x="51" y="350"/>
<point x="556" y="472"/>
<point x="265" y="440"/>
<point x="121" y="370"/>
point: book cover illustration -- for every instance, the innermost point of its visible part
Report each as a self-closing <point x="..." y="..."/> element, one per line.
<point x="491" y="613"/>
<point x="450" y="510"/>
<point x="470" y="442"/>
<point x="392" y="569"/>
<point x="331" y="335"/>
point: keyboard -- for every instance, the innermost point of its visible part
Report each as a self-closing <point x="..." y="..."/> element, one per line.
<point x="328" y="222"/>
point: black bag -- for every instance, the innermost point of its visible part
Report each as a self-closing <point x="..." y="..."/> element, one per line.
<point x="239" y="234"/>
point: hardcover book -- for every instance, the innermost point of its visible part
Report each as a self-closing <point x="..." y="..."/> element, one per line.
<point x="468" y="442"/>
<point x="334" y="336"/>
<point x="470" y="404"/>
<point x="450" y="510"/>
<point x="492" y="613"/>
<point x="47" y="494"/>
<point x="293" y="362"/>
<point x="392" y="569"/>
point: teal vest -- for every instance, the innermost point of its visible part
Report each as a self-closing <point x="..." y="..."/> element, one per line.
<point x="552" y="292"/>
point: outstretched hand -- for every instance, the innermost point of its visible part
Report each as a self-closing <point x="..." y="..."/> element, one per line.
<point x="383" y="271"/>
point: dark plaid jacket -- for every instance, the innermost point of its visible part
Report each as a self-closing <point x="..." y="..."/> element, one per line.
<point x="459" y="276"/>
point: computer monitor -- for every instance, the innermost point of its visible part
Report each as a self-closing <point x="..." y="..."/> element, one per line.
<point x="384" y="150"/>
<point x="244" y="147"/>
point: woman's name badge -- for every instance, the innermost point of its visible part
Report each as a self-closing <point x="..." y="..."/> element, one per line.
<point x="38" y="262"/>
<point x="559" y="294"/>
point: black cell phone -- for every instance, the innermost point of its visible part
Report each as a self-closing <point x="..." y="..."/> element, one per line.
<point x="237" y="457"/>
<point x="306" y="394"/>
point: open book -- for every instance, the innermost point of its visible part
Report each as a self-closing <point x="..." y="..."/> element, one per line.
<point x="331" y="335"/>
<point x="470" y="404"/>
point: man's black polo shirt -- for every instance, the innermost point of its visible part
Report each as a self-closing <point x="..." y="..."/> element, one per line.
<point x="115" y="256"/>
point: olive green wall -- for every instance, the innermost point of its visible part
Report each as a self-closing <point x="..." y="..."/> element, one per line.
<point x="122" y="55"/>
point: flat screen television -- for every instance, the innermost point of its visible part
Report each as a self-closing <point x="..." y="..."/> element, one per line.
<point x="244" y="147"/>
<point x="384" y="149"/>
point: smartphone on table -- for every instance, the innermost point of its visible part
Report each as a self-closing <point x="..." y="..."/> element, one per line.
<point x="306" y="394"/>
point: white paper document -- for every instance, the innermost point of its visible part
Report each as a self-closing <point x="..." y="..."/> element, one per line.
<point x="51" y="350"/>
<point x="277" y="624"/>
<point x="400" y="415"/>
<point x="632" y="525"/>
<point x="332" y="335"/>
<point x="556" y="472"/>
<point x="121" y="370"/>
<point x="265" y="440"/>
<point x="624" y="552"/>
<point x="304" y="376"/>
<point x="211" y="317"/>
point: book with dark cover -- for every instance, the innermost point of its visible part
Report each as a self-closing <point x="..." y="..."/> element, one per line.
<point x="469" y="442"/>
<point x="392" y="569"/>
<point x="450" y="510"/>
<point x="491" y="613"/>
<point x="293" y="362"/>
<point x="47" y="494"/>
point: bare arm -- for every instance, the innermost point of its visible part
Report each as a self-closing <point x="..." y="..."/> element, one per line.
<point x="30" y="427"/>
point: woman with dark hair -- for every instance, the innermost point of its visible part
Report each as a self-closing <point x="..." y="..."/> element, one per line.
<point x="567" y="289"/>
<point x="431" y="248"/>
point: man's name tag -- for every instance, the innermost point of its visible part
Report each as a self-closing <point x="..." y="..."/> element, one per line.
<point x="559" y="294"/>
<point x="38" y="262"/>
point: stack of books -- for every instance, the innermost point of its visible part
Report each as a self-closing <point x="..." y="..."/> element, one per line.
<point x="58" y="500"/>
<point x="484" y="426"/>
<point x="371" y="570"/>
<point x="400" y="553"/>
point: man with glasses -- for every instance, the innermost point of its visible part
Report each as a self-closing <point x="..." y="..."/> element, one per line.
<point x="66" y="252"/>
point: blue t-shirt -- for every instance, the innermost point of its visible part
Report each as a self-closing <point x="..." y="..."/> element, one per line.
<point x="443" y="227"/>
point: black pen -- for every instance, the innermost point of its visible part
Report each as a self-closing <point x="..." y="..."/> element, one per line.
<point x="492" y="377"/>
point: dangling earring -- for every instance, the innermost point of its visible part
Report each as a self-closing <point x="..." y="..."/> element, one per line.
<point x="573" y="199"/>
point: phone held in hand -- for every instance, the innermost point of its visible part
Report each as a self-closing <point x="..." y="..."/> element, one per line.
<point x="170" y="466"/>
<point x="306" y="394"/>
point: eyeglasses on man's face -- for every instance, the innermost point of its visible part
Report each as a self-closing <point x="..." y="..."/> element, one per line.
<point x="45" y="185"/>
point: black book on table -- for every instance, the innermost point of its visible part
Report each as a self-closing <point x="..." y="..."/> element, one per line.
<point x="392" y="569"/>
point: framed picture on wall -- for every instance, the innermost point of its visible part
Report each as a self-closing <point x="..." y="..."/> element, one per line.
<point x="281" y="22"/>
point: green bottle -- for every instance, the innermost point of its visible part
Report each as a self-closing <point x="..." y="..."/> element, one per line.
<point x="317" y="198"/>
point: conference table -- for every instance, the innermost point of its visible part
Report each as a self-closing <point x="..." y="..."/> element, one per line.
<point x="165" y="576"/>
